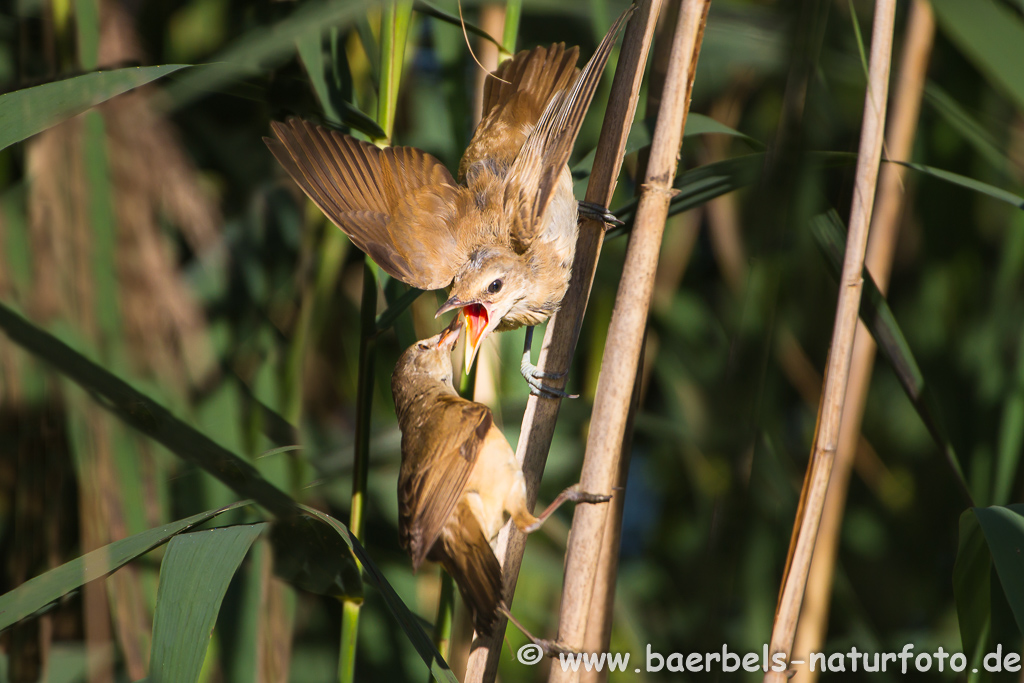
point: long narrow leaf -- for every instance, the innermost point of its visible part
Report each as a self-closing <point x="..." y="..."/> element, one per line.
<point x="44" y="589"/>
<point x="23" y="113"/>
<point x="146" y="415"/>
<point x="261" y="47"/>
<point x="829" y="233"/>
<point x="194" y="577"/>
<point x="964" y="123"/>
<point x="967" y="183"/>
<point x="991" y="36"/>
<point x="154" y="420"/>
<point x="702" y="184"/>
<point x="989" y="604"/>
<point x="1004" y="532"/>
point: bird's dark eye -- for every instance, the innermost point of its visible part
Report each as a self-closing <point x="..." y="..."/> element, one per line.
<point x="494" y="287"/>
<point x="423" y="346"/>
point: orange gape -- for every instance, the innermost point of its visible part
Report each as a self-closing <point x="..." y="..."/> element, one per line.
<point x="459" y="478"/>
<point x="505" y="237"/>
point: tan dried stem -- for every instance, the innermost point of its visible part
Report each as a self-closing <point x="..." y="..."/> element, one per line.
<point x="920" y="33"/>
<point x="681" y="235"/>
<point x="626" y="331"/>
<point x="837" y="374"/>
<point x="492" y="21"/>
<point x="564" y="327"/>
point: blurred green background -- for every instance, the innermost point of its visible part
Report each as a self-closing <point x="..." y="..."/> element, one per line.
<point x="156" y="236"/>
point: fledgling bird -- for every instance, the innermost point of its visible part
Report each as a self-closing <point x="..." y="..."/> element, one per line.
<point x="505" y="239"/>
<point x="459" y="476"/>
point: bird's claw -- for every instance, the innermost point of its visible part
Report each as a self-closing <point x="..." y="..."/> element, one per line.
<point x="593" y="498"/>
<point x="552" y="648"/>
<point x="575" y="495"/>
<point x="534" y="377"/>
<point x="598" y="213"/>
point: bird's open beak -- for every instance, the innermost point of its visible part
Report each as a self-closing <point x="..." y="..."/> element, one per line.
<point x="450" y="335"/>
<point x="450" y="305"/>
<point x="477" y="326"/>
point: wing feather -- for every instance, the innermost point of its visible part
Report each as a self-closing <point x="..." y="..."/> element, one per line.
<point x="513" y="105"/>
<point x="396" y="204"/>
<point x="534" y="175"/>
<point x="438" y="455"/>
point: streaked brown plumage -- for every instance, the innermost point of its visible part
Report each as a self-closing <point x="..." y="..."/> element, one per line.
<point x="505" y="239"/>
<point x="459" y="477"/>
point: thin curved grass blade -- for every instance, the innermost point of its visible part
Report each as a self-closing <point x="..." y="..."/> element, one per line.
<point x="408" y="621"/>
<point x="431" y="10"/>
<point x="967" y="183"/>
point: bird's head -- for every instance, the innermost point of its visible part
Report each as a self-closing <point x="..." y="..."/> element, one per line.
<point x="486" y="289"/>
<point x="428" y="360"/>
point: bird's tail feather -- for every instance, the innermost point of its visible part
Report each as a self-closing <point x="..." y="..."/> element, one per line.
<point x="468" y="557"/>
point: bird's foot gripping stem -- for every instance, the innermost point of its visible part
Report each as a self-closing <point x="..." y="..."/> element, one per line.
<point x="573" y="494"/>
<point x="534" y="376"/>
<point x="550" y="648"/>
<point x="598" y="213"/>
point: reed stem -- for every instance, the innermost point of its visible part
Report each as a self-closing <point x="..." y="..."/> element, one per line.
<point x="837" y="373"/>
<point x="626" y="332"/>
<point x="564" y="327"/>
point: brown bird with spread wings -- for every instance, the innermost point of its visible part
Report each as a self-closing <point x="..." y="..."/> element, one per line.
<point x="459" y="477"/>
<point x="504" y="240"/>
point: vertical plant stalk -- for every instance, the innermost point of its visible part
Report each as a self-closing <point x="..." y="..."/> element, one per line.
<point x="492" y="21"/>
<point x="602" y="604"/>
<point x="361" y="458"/>
<point x="837" y="373"/>
<point x="513" y="10"/>
<point x="394" y="31"/>
<point x="920" y="34"/>
<point x="626" y="331"/>
<point x="443" y="620"/>
<point x="564" y="327"/>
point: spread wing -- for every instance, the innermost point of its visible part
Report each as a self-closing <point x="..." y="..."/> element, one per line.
<point x="466" y="554"/>
<point x="438" y="455"/>
<point x="396" y="204"/>
<point x="533" y="176"/>
<point x="514" y="98"/>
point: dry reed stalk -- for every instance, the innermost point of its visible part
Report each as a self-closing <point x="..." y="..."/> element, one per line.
<point x="492" y="21"/>
<point x="920" y="34"/>
<point x="838" y="371"/>
<point x="626" y="330"/>
<point x="673" y="259"/>
<point x="602" y="604"/>
<point x="564" y="327"/>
